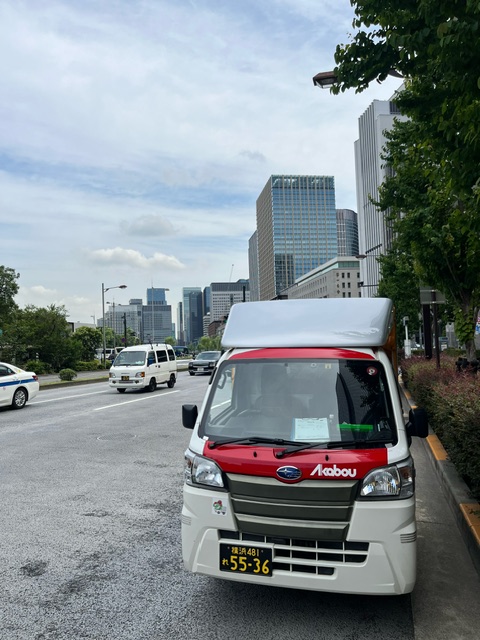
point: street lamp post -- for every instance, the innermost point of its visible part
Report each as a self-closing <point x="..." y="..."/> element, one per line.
<point x="104" y="290"/>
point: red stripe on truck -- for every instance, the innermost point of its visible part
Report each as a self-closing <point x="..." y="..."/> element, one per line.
<point x="303" y="352"/>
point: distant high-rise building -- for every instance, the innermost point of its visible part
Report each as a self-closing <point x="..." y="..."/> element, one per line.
<point x="156" y="294"/>
<point x="186" y="291"/>
<point x="206" y="300"/>
<point x="150" y="322"/>
<point x="347" y="232"/>
<point x="253" y="276"/>
<point x="296" y="229"/>
<point x="226" y="294"/>
<point x="195" y="328"/>
<point x="157" y="316"/>
<point x="375" y="233"/>
<point x="180" y="328"/>
<point x="121" y="316"/>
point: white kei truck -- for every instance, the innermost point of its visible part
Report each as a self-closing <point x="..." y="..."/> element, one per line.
<point x="299" y="472"/>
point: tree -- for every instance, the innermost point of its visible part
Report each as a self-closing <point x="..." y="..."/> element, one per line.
<point x="44" y="333"/>
<point x="89" y="340"/>
<point x="8" y="290"/>
<point x="434" y="191"/>
<point x="207" y="343"/>
<point x="400" y="283"/>
<point x="170" y="340"/>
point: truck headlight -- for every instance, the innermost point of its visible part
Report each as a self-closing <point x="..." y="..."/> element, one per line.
<point x="200" y="470"/>
<point x="394" y="481"/>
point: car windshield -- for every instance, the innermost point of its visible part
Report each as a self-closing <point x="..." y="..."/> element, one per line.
<point x="130" y="358"/>
<point x="208" y="355"/>
<point x="304" y="401"/>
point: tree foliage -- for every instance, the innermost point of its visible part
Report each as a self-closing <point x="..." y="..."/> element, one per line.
<point x="89" y="339"/>
<point x="433" y="192"/>
<point x="40" y="333"/>
<point x="8" y="291"/>
<point x="207" y="343"/>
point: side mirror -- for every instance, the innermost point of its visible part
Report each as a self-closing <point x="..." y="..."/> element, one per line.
<point x="417" y="424"/>
<point x="189" y="415"/>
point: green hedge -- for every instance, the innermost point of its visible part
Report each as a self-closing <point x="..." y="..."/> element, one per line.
<point x="37" y="366"/>
<point x="67" y="374"/>
<point x="452" y="402"/>
<point x="90" y="365"/>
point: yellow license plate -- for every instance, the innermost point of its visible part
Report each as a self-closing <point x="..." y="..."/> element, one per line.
<point x="237" y="558"/>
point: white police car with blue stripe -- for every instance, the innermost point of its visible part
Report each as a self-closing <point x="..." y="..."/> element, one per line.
<point x="16" y="386"/>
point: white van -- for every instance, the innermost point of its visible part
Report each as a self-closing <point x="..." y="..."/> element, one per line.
<point x="109" y="353"/>
<point x="298" y="472"/>
<point x="143" y="366"/>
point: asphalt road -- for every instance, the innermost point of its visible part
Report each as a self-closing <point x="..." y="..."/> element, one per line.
<point x="90" y="522"/>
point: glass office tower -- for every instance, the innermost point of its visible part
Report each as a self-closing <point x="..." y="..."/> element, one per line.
<point x="296" y="229"/>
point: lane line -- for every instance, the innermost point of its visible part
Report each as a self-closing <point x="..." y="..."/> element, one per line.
<point x="79" y="395"/>
<point x="120" y="404"/>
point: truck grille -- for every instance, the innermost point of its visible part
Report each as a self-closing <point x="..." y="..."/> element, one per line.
<point x="318" y="557"/>
<point x="308" y="510"/>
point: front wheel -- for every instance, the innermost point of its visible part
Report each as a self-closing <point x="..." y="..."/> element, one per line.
<point x="152" y="385"/>
<point x="192" y="373"/>
<point x="19" y="399"/>
<point x="121" y="390"/>
<point x="171" y="382"/>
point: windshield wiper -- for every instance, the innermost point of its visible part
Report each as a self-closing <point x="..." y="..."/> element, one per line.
<point x="300" y="446"/>
<point x="254" y="440"/>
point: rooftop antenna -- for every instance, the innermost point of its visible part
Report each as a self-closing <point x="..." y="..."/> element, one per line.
<point x="231" y="272"/>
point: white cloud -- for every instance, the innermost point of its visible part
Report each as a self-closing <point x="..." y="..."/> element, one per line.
<point x="152" y="127"/>
<point x="134" y="259"/>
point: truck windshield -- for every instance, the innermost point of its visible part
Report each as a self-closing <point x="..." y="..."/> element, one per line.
<point x="305" y="401"/>
<point x="130" y="358"/>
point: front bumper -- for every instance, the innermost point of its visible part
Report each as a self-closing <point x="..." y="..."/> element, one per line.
<point x="133" y="383"/>
<point x="384" y="532"/>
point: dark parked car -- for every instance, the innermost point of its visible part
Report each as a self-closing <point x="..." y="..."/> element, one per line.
<point x="204" y="363"/>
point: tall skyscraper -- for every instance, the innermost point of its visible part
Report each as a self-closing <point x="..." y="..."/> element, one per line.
<point x="375" y="234"/>
<point x="187" y="320"/>
<point x="347" y="232"/>
<point x="157" y="316"/>
<point x="180" y="327"/>
<point x="296" y="229"/>
<point x="253" y="274"/>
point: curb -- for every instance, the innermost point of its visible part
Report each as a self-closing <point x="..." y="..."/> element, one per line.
<point x="465" y="510"/>
<point x="70" y="383"/>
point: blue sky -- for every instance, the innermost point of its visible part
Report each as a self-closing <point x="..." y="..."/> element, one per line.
<point x="136" y="136"/>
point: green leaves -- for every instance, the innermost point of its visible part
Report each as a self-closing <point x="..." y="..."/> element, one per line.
<point x="432" y="196"/>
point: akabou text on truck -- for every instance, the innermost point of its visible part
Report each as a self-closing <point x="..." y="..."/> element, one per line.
<point x="298" y="472"/>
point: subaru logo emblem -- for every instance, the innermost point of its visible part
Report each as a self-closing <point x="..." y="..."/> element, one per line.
<point x="289" y="473"/>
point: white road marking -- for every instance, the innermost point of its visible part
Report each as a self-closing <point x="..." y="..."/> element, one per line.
<point x="120" y="404"/>
<point x="79" y="395"/>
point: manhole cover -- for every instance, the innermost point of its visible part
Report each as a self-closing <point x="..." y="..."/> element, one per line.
<point x="117" y="436"/>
